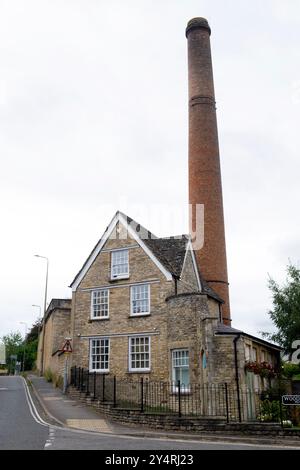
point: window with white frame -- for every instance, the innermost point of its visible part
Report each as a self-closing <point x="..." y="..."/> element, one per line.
<point x="119" y="264"/>
<point x="139" y="353"/>
<point x="99" y="307"/>
<point x="140" y="299"/>
<point x="99" y="355"/>
<point x="181" y="367"/>
<point x="254" y="354"/>
<point x="247" y="352"/>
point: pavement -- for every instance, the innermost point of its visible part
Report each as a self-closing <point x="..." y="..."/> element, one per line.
<point x="73" y="414"/>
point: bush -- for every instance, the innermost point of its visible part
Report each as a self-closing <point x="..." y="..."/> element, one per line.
<point x="290" y="370"/>
<point x="270" y="411"/>
<point x="49" y="375"/>
<point x="58" y="381"/>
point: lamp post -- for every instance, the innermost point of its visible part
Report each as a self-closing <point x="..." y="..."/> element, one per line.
<point x="45" y="308"/>
<point x="23" y="366"/>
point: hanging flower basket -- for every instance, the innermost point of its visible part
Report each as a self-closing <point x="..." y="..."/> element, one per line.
<point x="264" y="369"/>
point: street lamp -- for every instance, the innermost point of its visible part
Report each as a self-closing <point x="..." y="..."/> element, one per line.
<point x="45" y="308"/>
<point x="40" y="308"/>
<point x="24" y="323"/>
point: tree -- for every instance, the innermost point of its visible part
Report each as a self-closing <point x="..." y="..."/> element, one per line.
<point x="33" y="334"/>
<point x="286" y="309"/>
<point x="14" y="347"/>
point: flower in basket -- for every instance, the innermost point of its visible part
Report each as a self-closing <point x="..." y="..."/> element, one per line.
<point x="264" y="369"/>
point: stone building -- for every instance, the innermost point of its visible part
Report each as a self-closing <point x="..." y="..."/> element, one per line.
<point x="140" y="307"/>
<point x="144" y="306"/>
<point x="54" y="331"/>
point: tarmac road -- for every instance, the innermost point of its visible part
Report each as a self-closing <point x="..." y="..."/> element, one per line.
<point x="18" y="428"/>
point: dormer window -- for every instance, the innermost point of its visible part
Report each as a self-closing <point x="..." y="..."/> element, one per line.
<point x="119" y="264"/>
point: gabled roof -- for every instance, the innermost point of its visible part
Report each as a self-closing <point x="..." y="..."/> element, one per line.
<point x="142" y="236"/>
<point x="168" y="253"/>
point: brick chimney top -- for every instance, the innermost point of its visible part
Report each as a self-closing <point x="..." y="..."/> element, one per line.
<point x="197" y="23"/>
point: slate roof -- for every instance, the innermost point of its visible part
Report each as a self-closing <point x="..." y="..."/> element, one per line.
<point x="170" y="251"/>
<point x="228" y="330"/>
<point x="206" y="289"/>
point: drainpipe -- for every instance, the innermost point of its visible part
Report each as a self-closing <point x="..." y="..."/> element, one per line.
<point x="175" y="284"/>
<point x="237" y="376"/>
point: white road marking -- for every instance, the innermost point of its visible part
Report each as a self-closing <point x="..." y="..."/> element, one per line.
<point x="32" y="408"/>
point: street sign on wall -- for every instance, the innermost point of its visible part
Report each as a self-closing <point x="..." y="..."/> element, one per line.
<point x="291" y="399"/>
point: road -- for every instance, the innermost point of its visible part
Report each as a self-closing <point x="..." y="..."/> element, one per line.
<point x="18" y="429"/>
<point x="22" y="427"/>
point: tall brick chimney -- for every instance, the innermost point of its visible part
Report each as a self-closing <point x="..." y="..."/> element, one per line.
<point x="205" y="186"/>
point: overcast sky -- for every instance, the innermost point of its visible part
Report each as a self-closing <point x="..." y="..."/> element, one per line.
<point x="93" y="118"/>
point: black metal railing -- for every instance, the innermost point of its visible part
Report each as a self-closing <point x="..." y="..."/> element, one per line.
<point x="219" y="401"/>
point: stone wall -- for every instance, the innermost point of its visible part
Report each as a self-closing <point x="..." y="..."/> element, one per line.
<point x="188" y="281"/>
<point x="57" y="328"/>
<point x="172" y="422"/>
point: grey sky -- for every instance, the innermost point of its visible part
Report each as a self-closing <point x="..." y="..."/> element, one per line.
<point x="93" y="118"/>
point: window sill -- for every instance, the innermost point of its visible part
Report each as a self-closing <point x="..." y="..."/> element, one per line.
<point x="118" y="278"/>
<point x="91" y="320"/>
<point x="101" y="372"/>
<point x="134" y="315"/>
<point x="140" y="371"/>
<point x="182" y="391"/>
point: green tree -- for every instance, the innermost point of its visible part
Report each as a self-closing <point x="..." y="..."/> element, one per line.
<point x="31" y="345"/>
<point x="33" y="334"/>
<point x="14" y="347"/>
<point x="30" y="354"/>
<point x="286" y="309"/>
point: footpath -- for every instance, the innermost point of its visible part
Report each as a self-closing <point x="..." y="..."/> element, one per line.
<point x="69" y="413"/>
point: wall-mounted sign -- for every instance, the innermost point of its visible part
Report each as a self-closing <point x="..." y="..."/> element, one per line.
<point x="290" y="399"/>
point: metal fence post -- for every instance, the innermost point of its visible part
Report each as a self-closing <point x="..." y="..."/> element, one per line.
<point x="280" y="410"/>
<point x="75" y="378"/>
<point x="94" y="383"/>
<point x="179" y="398"/>
<point x="88" y="383"/>
<point x="115" y="391"/>
<point x="82" y="379"/>
<point x="79" y="376"/>
<point x="227" y="404"/>
<point x="103" y="387"/>
<point x="142" y="395"/>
